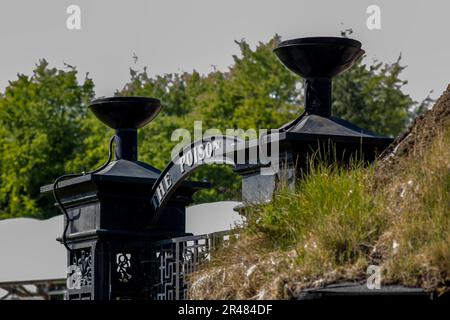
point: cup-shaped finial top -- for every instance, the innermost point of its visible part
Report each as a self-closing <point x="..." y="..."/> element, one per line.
<point x="319" y="57"/>
<point x="125" y="112"/>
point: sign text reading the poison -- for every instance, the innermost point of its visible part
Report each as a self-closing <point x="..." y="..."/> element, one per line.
<point x="196" y="155"/>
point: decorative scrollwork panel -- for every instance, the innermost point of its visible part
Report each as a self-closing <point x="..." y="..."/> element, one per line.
<point x="80" y="270"/>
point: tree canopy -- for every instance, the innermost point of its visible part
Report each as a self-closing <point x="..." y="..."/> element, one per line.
<point x="46" y="130"/>
<point x="40" y="121"/>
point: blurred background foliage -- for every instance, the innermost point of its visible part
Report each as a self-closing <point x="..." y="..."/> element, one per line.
<point x="46" y="129"/>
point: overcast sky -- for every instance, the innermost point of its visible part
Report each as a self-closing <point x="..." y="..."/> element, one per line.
<point x="181" y="35"/>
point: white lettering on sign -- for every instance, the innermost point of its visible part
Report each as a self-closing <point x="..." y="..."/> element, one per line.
<point x="167" y="181"/>
<point x="199" y="153"/>
<point x="209" y="150"/>
<point x="182" y="162"/>
<point x="217" y="144"/>
<point x="162" y="189"/>
<point x="189" y="158"/>
<point x="160" y="192"/>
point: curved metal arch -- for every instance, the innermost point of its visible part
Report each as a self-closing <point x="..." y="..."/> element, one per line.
<point x="219" y="149"/>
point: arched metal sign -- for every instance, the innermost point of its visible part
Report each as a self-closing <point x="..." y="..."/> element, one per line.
<point x="209" y="150"/>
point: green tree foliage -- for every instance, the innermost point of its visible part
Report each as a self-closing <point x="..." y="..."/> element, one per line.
<point x="45" y="129"/>
<point x="40" y="121"/>
<point x="371" y="97"/>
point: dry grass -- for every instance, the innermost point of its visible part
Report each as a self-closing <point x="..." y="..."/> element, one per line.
<point x="395" y="214"/>
<point x="418" y="211"/>
<point x="318" y="234"/>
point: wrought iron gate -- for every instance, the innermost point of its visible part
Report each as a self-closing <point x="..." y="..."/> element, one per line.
<point x="155" y="270"/>
<point x="173" y="260"/>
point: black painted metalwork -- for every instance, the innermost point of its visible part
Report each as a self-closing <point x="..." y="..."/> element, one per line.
<point x="121" y="247"/>
<point x="318" y="60"/>
<point x="173" y="260"/>
<point x="109" y="214"/>
<point x="316" y="131"/>
<point x="209" y="150"/>
<point x="126" y="115"/>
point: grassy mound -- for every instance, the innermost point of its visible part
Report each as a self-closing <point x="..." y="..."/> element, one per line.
<point x="395" y="214"/>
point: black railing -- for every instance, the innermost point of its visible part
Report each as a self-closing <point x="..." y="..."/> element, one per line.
<point x="175" y="259"/>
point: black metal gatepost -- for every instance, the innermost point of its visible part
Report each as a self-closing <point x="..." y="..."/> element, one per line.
<point x="110" y="235"/>
<point x="316" y="131"/>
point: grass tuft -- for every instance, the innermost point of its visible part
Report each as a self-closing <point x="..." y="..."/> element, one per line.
<point x="335" y="223"/>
